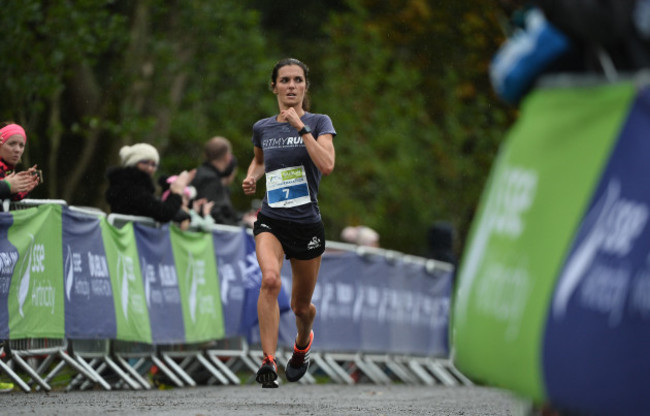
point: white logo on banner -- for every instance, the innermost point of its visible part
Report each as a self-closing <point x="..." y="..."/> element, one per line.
<point x="23" y="289"/>
<point x="8" y="262"/>
<point x="149" y="277"/>
<point x="68" y="272"/>
<point x="203" y="302"/>
<point x="252" y="273"/>
<point x="226" y="275"/>
<point x="511" y="196"/>
<point x="126" y="275"/>
<point x="502" y="293"/>
<point x="614" y="223"/>
<point x="42" y="295"/>
<point x="72" y="269"/>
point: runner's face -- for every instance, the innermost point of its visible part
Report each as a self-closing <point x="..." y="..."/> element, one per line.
<point x="12" y="150"/>
<point x="290" y="86"/>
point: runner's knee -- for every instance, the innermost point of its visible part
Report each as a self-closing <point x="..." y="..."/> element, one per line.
<point x="271" y="282"/>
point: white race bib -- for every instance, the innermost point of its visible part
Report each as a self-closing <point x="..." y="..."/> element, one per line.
<point x="287" y="187"/>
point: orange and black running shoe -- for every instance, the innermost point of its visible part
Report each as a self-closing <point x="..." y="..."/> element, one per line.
<point x="268" y="373"/>
<point x="299" y="362"/>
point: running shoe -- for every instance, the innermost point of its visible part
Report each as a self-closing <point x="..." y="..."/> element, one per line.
<point x="299" y="362"/>
<point x="6" y="387"/>
<point x="268" y="373"/>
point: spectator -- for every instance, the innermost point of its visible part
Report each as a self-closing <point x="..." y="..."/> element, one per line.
<point x="360" y="235"/>
<point x="131" y="188"/>
<point x="14" y="185"/>
<point x="441" y="237"/>
<point x="194" y="213"/>
<point x="213" y="179"/>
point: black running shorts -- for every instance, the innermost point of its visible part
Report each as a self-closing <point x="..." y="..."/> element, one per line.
<point x="299" y="241"/>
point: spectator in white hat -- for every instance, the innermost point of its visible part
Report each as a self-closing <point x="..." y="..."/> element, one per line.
<point x="131" y="188"/>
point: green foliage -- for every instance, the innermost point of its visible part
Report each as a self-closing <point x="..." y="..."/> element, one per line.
<point x="404" y="82"/>
<point x="384" y="174"/>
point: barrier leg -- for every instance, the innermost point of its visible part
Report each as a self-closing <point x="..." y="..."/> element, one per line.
<point x="440" y="373"/>
<point x="319" y="362"/>
<point x="134" y="373"/>
<point x="162" y="367"/>
<point x="15" y="377"/>
<point x="124" y="376"/>
<point x="178" y="370"/>
<point x="30" y="371"/>
<point x="454" y="371"/>
<point x="208" y="366"/>
<point x="340" y="371"/>
<point x="396" y="368"/>
<point x="223" y="368"/>
<point x="371" y="370"/>
<point x="421" y="373"/>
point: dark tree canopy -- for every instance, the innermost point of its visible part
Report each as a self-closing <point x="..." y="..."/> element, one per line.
<point x="405" y="82"/>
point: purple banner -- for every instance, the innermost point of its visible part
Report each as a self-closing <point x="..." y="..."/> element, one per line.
<point x="160" y="284"/>
<point x="597" y="338"/>
<point x="372" y="304"/>
<point x="230" y="252"/>
<point x="89" y="307"/>
<point x="8" y="259"/>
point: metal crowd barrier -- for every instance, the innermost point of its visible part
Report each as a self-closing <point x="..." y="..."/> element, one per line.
<point x="113" y="364"/>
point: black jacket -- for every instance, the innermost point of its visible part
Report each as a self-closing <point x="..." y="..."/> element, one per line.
<point x="208" y="185"/>
<point x="132" y="192"/>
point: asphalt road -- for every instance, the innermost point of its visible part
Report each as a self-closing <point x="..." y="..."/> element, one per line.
<point x="289" y="399"/>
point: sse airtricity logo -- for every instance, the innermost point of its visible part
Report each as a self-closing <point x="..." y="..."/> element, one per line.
<point x="611" y="228"/>
<point x="42" y="294"/>
<point x="125" y="276"/>
<point x="198" y="300"/>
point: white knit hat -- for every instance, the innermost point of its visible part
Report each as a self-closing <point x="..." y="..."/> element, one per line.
<point x="131" y="155"/>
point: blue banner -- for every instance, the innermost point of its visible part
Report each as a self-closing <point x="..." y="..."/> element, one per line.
<point x="597" y="337"/>
<point x="89" y="306"/>
<point x="230" y="252"/>
<point x="160" y="284"/>
<point x="8" y="259"/>
<point x="371" y="304"/>
<point x="338" y="300"/>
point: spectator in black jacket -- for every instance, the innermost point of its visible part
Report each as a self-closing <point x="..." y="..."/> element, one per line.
<point x="213" y="179"/>
<point x="131" y="188"/>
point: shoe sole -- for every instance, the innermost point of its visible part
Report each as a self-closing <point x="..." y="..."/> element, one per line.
<point x="267" y="378"/>
<point x="299" y="372"/>
<point x="271" y="385"/>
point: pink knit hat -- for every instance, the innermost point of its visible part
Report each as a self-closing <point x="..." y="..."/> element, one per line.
<point x="11" y="130"/>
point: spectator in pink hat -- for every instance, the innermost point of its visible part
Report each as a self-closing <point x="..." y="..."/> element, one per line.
<point x="14" y="185"/>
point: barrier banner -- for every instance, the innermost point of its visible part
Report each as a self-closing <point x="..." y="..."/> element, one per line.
<point x="198" y="282"/>
<point x="161" y="291"/>
<point x="338" y="319"/>
<point x="419" y="309"/>
<point x="597" y="336"/>
<point x="538" y="193"/>
<point x="36" y="292"/>
<point x="369" y="304"/>
<point x="8" y="260"/>
<point x="131" y="312"/>
<point x="230" y="252"/>
<point x="89" y="307"/>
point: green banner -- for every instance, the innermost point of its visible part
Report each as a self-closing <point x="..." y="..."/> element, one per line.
<point x="36" y="302"/>
<point x="131" y="311"/>
<point x="536" y="195"/>
<point x="198" y="282"/>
